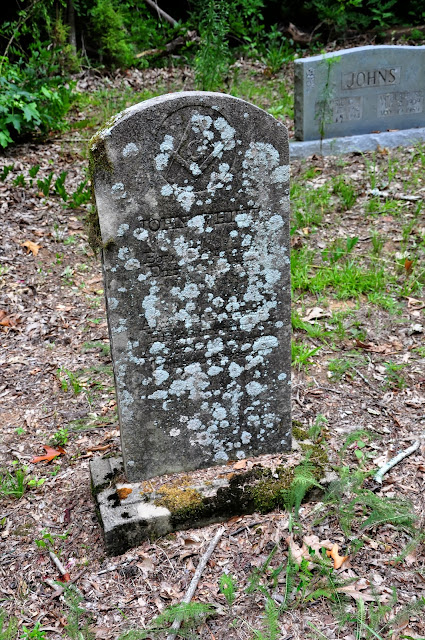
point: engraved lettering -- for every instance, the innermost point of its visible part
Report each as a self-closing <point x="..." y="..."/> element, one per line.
<point x="400" y="103"/>
<point x="370" y="78"/>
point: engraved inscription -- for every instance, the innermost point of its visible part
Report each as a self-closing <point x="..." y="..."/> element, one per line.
<point x="400" y="103"/>
<point x="340" y="110"/>
<point x="370" y="78"/>
<point x="197" y="150"/>
<point x="310" y="79"/>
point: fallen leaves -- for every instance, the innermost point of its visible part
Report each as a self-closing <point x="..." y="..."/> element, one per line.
<point x="334" y="554"/>
<point x="50" y="455"/>
<point x="314" y="544"/>
<point x="7" y="321"/>
<point x="314" y="314"/>
<point x="32" y="247"/>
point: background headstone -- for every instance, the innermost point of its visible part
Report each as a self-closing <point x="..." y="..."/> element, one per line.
<point x="193" y="203"/>
<point x="358" y="91"/>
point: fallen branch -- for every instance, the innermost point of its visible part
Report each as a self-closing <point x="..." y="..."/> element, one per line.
<point x="161" y="12"/>
<point x="58" y="563"/>
<point x="194" y="582"/>
<point x="398" y="458"/>
<point x="190" y="36"/>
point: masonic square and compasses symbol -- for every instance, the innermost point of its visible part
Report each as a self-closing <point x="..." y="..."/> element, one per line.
<point x="195" y="143"/>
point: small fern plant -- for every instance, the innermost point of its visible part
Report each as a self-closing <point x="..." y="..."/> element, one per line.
<point x="304" y="480"/>
<point x="191" y="615"/>
<point x="228" y="587"/>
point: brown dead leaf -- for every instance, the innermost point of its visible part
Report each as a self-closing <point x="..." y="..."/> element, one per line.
<point x="313" y="542"/>
<point x="6" y="320"/>
<point x="50" y="454"/>
<point x="357" y="590"/>
<point x="99" y="447"/>
<point x="415" y="304"/>
<point x="64" y="578"/>
<point x="124" y="492"/>
<point x="146" y="563"/>
<point x="408" y="265"/>
<point x="32" y="247"/>
<point x="338" y="560"/>
<point x="379" y="348"/>
<point x="314" y="314"/>
<point x="298" y="553"/>
<point x="241" y="464"/>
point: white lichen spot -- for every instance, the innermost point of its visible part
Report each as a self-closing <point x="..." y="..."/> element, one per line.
<point x="149" y="305"/>
<point x="194" y="424"/>
<point x="221" y="456"/>
<point x="254" y="388"/>
<point x="214" y="346"/>
<point x="265" y="343"/>
<point x="280" y="174"/>
<point x="282" y="376"/>
<point x="235" y="370"/>
<point x="130" y="149"/>
<point x="214" y="370"/>
<point x="246" y="437"/>
<point x="160" y="376"/>
<point x="227" y="133"/>
<point x="113" y="303"/>
<point x="174" y="432"/>
<point x="140" y="234"/>
<point x="161" y="394"/>
<point x="219" y="412"/>
<point x="118" y="191"/>
<point x="157" y="347"/>
<point x="194" y="169"/>
<point x="161" y="160"/>
<point x="243" y="220"/>
<point x="132" y="264"/>
<point x="122" y="253"/>
<point x="197" y="222"/>
<point x="166" y="190"/>
<point x="122" y="229"/>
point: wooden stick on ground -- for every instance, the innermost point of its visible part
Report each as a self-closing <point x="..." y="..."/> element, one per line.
<point x="391" y="463"/>
<point x="194" y="582"/>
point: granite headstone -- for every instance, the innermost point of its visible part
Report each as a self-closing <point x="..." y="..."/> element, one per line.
<point x="359" y="91"/>
<point x="193" y="204"/>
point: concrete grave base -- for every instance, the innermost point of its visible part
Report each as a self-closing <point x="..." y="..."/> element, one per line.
<point x="133" y="512"/>
<point x="360" y="143"/>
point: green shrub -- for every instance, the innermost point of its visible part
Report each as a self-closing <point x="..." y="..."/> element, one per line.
<point x="113" y="40"/>
<point x="28" y="103"/>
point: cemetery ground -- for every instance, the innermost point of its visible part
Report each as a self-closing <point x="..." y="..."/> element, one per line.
<point x="358" y="353"/>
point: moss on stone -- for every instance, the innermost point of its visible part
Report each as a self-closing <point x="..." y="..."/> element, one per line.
<point x="98" y="162"/>
<point x="179" y="497"/>
<point x="317" y="456"/>
<point x="298" y="431"/>
<point x="268" y="493"/>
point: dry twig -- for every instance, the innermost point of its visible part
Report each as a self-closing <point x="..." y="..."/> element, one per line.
<point x="391" y="463"/>
<point x="194" y="582"/>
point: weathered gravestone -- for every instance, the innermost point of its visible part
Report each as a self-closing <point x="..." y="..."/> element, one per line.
<point x="193" y="203"/>
<point x="359" y="91"/>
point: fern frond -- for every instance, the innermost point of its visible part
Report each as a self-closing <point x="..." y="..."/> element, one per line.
<point x="272" y="617"/>
<point x="304" y="479"/>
